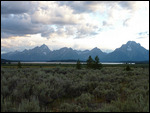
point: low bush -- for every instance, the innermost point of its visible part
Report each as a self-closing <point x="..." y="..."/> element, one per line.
<point x="69" y="89"/>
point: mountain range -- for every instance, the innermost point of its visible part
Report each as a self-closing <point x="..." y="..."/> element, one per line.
<point x="131" y="51"/>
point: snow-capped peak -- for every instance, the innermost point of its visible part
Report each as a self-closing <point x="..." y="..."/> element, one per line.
<point x="129" y="48"/>
<point x="44" y="53"/>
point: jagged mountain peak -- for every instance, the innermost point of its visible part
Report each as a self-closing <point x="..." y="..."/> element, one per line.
<point x="95" y="49"/>
<point x="43" y="45"/>
<point x="131" y="51"/>
<point x="25" y="50"/>
<point x="41" y="48"/>
<point x="132" y="43"/>
<point x="129" y="46"/>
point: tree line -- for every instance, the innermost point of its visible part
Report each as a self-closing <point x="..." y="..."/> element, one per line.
<point x="91" y="64"/>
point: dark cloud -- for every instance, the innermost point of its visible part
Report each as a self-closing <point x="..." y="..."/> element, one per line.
<point x="6" y="34"/>
<point x="77" y="6"/>
<point x="19" y="18"/>
<point x="47" y="32"/>
<point x="15" y="7"/>
<point x="81" y="6"/>
<point x="127" y="4"/>
<point x="88" y="6"/>
<point x="20" y="26"/>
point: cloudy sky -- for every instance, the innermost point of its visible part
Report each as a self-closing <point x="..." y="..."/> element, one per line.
<point x="77" y="24"/>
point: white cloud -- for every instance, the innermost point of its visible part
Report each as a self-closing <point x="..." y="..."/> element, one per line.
<point x="77" y="24"/>
<point x="52" y="13"/>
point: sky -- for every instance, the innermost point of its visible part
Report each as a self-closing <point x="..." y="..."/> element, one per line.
<point x="80" y="25"/>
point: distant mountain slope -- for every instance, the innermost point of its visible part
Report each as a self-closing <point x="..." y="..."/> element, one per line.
<point x="94" y="52"/>
<point x="41" y="53"/>
<point x="131" y="51"/>
<point x="64" y="54"/>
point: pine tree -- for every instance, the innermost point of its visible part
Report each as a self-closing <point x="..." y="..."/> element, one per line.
<point x="90" y="62"/>
<point x="96" y="63"/>
<point x="19" y="65"/>
<point x="78" y="65"/>
<point x="128" y="68"/>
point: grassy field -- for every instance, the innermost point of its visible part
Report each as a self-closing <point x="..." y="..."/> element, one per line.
<point x="63" y="88"/>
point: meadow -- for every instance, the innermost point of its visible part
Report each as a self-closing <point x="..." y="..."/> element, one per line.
<point x="63" y="88"/>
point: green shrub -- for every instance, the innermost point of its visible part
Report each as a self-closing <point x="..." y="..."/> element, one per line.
<point x="66" y="107"/>
<point x="84" y="99"/>
<point x="128" y="68"/>
<point x="78" y="65"/>
<point x="31" y="105"/>
<point x="108" y="108"/>
<point x="40" y="89"/>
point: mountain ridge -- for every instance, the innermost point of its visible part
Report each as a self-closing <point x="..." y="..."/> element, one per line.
<point x="131" y="51"/>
